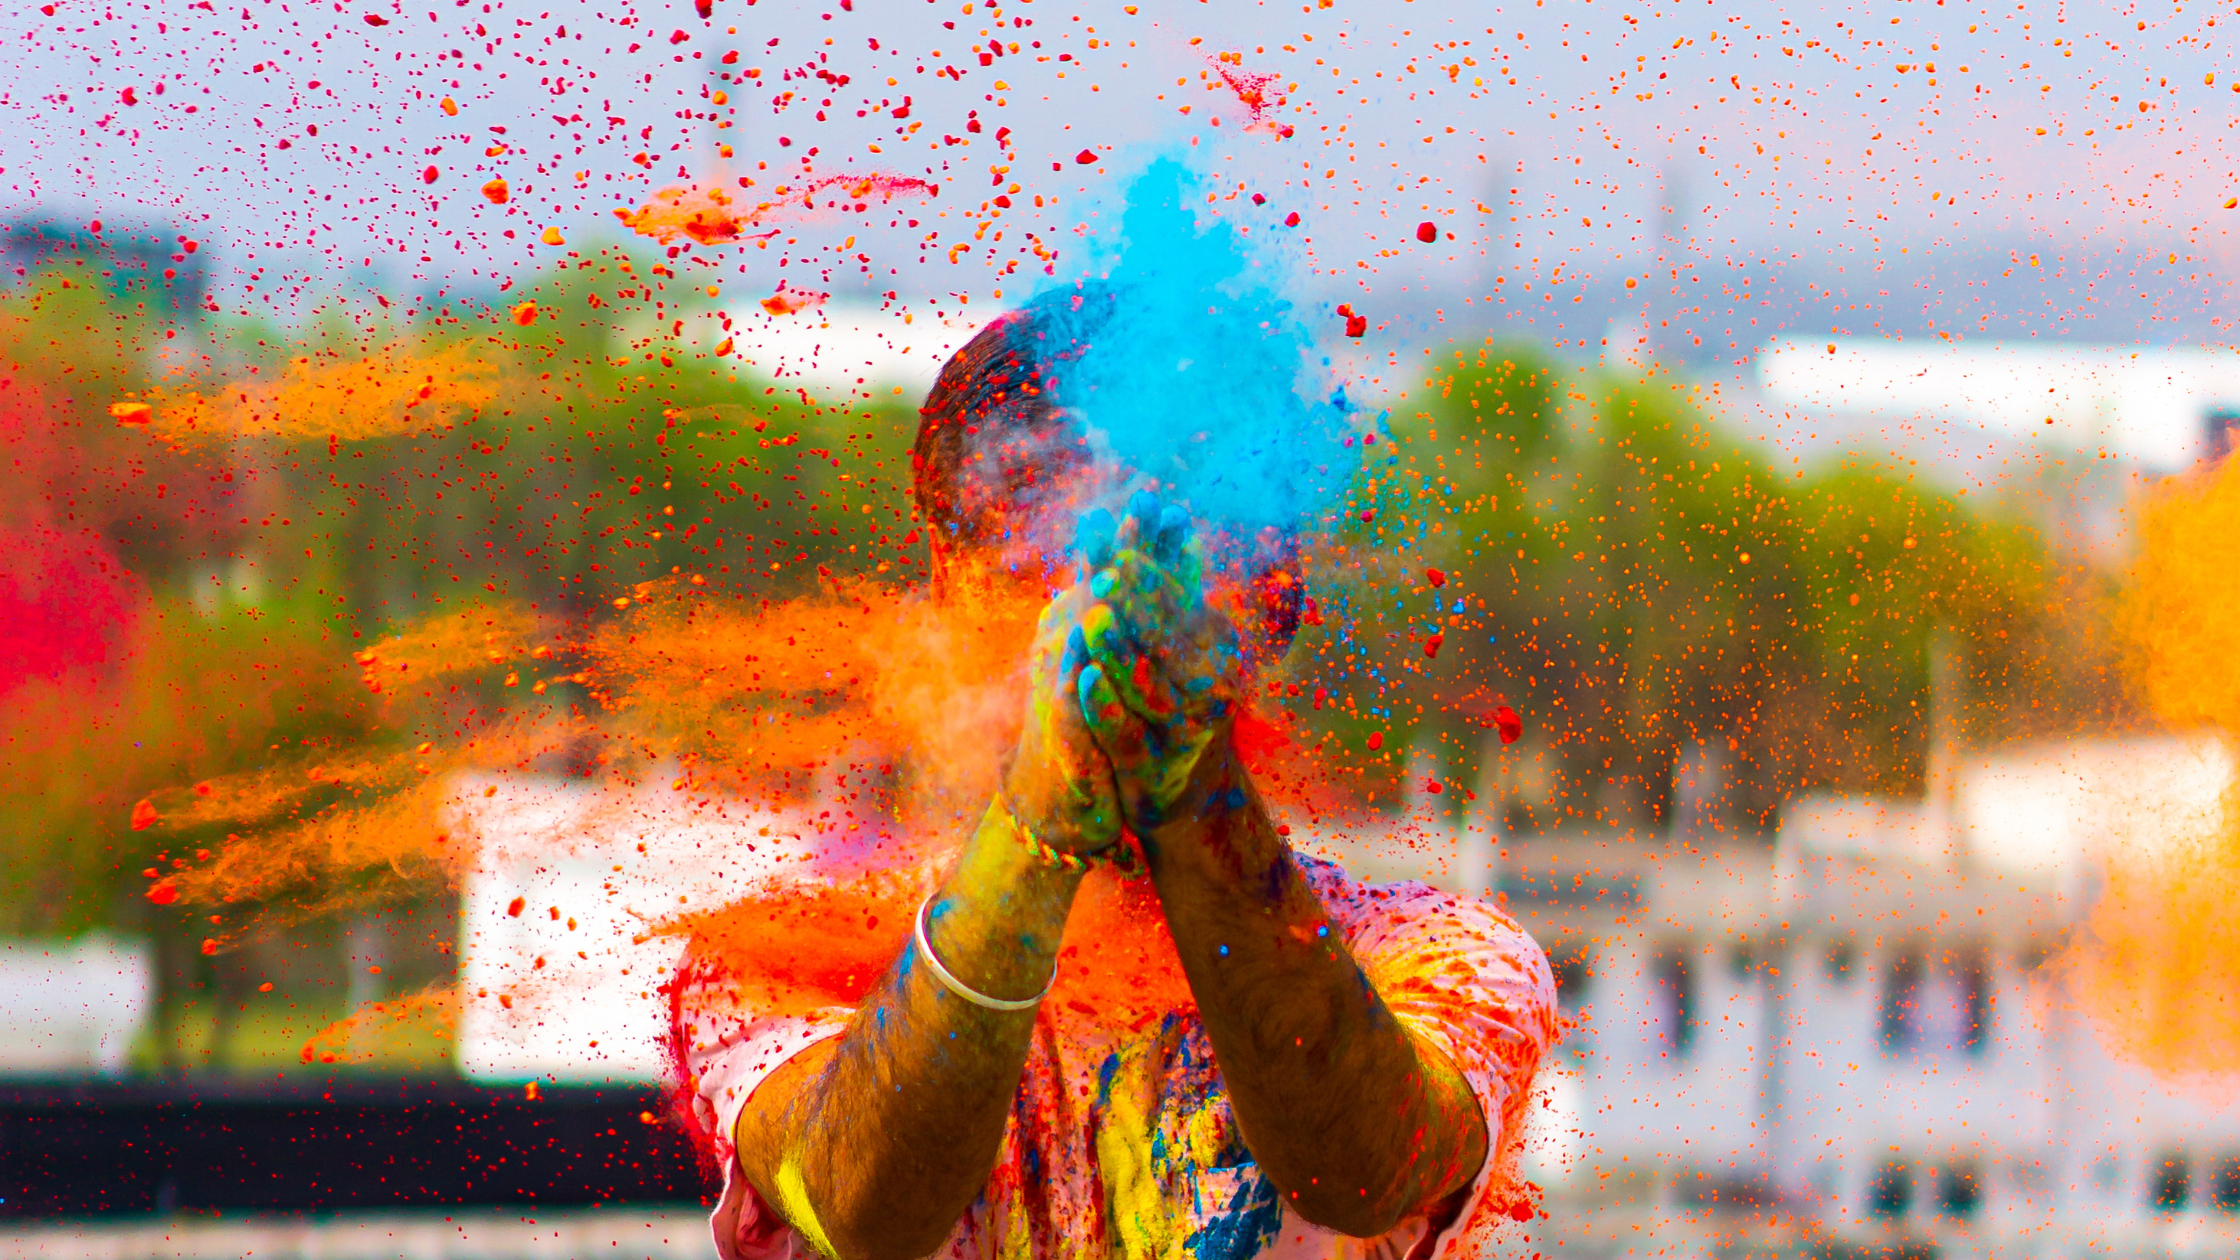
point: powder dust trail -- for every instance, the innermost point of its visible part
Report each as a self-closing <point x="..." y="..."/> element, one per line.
<point x="445" y="645"/>
<point x="351" y="1038"/>
<point x="861" y="667"/>
<point x="389" y="391"/>
<point x="2158" y="961"/>
<point x="710" y="214"/>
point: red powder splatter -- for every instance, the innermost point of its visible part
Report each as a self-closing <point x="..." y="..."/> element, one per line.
<point x="1087" y="157"/>
<point x="1436" y="577"/>
<point x="1376" y="741"/>
<point x="1431" y="645"/>
<point x="144" y="816"/>
<point x="1251" y="89"/>
<point x="1427" y="232"/>
<point x="1511" y="726"/>
<point x="65" y="604"/>
<point x="164" y="894"/>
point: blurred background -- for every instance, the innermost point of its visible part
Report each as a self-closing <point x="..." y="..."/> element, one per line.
<point x="1828" y="466"/>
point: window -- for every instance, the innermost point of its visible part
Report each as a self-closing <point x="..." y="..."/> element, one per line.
<point x="1936" y="1001"/>
<point x="1959" y="1190"/>
<point x="1890" y="1191"/>
<point x="2224" y="1184"/>
<point x="1672" y="1001"/>
<point x="2170" y="1182"/>
<point x="1573" y="964"/>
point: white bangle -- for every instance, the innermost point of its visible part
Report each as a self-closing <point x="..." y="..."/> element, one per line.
<point x="959" y="987"/>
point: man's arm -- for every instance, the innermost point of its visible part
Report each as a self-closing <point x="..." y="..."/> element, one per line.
<point x="1358" y="1121"/>
<point x="875" y="1143"/>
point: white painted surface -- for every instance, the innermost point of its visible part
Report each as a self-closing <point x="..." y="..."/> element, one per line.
<point x="72" y="1008"/>
<point x="2145" y="403"/>
<point x="595" y="872"/>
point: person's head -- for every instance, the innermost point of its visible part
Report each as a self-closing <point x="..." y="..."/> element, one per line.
<point x="1003" y="467"/>
<point x="1000" y="464"/>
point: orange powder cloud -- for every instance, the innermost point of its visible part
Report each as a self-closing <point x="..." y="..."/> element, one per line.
<point x="2158" y="961"/>
<point x="861" y="672"/>
<point x="391" y="391"/>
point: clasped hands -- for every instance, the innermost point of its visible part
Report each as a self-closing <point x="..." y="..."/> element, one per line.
<point x="1133" y="677"/>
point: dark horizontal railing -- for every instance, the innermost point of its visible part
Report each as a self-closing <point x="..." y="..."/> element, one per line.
<point x="82" y="1150"/>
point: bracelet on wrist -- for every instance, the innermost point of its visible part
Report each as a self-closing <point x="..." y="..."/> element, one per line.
<point x="1080" y="862"/>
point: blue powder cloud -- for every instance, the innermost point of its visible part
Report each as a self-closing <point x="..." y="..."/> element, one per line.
<point x="1203" y="376"/>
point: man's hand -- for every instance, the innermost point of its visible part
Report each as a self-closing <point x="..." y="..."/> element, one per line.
<point x="1059" y="784"/>
<point x="1160" y="684"/>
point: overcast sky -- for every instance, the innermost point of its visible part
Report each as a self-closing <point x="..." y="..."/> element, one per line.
<point x="1538" y="134"/>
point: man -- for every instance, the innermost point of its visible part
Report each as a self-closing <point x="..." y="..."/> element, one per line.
<point x="1347" y="1074"/>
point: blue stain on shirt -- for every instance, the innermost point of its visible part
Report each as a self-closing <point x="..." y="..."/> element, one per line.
<point x="1246" y="1224"/>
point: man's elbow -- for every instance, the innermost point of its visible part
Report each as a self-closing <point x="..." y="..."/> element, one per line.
<point x="882" y="1241"/>
<point x="880" y="1230"/>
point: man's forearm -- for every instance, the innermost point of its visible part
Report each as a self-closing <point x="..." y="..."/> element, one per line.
<point x="1356" y="1121"/>
<point x="876" y="1148"/>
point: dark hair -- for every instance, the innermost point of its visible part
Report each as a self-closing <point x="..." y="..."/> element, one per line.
<point x="994" y="440"/>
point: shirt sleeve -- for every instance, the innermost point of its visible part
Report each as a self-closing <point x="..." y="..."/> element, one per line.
<point x="1466" y="978"/>
<point x="725" y="1051"/>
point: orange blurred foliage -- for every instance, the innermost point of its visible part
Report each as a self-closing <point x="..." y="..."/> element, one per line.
<point x="2157" y="963"/>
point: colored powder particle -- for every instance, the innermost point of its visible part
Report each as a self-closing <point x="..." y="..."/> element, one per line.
<point x="1431" y="645"/>
<point x="723" y="347"/>
<point x="144" y="816"/>
<point x="552" y="237"/>
<point x="514" y="906"/>
<point x="1087" y="157"/>
<point x="497" y="192"/>
<point x="1291" y="219"/>
<point x="164" y="894"/>
<point x="1506" y="721"/>
<point x="1436" y="577"/>
<point x="132" y="412"/>
<point x="450" y="107"/>
<point x="525" y="314"/>
<point x="209" y="946"/>
<point x="1427" y="232"/>
<point x="1376" y="741"/>
<point x="1356" y="325"/>
<point x="430" y="175"/>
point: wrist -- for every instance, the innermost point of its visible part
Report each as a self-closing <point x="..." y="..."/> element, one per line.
<point x="1218" y="814"/>
<point x="997" y="920"/>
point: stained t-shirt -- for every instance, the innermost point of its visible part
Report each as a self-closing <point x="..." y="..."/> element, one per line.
<point x="1121" y="1142"/>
